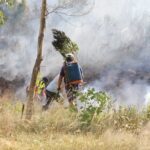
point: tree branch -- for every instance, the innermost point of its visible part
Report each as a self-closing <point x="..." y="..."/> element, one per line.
<point x="59" y="10"/>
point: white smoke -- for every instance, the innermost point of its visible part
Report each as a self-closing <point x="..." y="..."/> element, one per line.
<point x="147" y="96"/>
<point x="114" y="41"/>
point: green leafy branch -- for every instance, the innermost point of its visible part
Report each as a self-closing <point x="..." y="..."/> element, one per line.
<point x="62" y="43"/>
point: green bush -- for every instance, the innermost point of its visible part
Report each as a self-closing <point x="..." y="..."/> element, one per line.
<point x="95" y="103"/>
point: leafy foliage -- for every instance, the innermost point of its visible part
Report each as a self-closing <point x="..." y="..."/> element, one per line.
<point x="95" y="103"/>
<point x="2" y="18"/>
<point x="62" y="43"/>
<point x="7" y="2"/>
<point x="98" y="114"/>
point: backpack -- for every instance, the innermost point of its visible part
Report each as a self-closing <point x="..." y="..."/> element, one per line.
<point x="73" y="73"/>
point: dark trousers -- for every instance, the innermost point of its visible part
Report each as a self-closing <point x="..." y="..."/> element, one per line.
<point x="50" y="97"/>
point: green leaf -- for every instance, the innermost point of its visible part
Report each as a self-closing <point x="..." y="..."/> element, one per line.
<point x="2" y="18"/>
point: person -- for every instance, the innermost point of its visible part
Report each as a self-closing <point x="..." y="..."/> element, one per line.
<point x="52" y="93"/>
<point x="72" y="75"/>
<point x="39" y="91"/>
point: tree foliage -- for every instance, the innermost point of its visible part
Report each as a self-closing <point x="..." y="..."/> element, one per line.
<point x="8" y="3"/>
<point x="62" y="43"/>
<point x="3" y="17"/>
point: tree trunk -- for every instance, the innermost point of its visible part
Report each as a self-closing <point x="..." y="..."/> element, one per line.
<point x="30" y="102"/>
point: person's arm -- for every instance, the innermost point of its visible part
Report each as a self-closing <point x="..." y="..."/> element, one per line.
<point x="61" y="76"/>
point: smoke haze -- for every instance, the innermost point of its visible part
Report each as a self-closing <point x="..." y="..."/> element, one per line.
<point x="114" y="42"/>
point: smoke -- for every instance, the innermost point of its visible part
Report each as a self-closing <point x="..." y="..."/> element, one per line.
<point x="114" y="41"/>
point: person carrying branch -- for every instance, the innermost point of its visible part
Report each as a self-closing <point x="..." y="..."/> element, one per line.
<point x="72" y="75"/>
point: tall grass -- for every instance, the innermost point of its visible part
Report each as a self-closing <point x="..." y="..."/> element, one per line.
<point x="59" y="129"/>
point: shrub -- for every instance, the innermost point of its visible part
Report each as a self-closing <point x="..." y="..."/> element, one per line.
<point x="94" y="103"/>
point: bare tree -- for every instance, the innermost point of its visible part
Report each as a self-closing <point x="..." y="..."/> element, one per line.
<point x="29" y="109"/>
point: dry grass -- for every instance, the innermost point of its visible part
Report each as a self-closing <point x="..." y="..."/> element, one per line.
<point x="61" y="141"/>
<point x="59" y="129"/>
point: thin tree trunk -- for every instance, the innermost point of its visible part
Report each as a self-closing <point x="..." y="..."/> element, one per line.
<point x="30" y="102"/>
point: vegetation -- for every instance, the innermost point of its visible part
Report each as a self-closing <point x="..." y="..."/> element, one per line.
<point x="58" y="128"/>
<point x="7" y="2"/>
<point x="2" y="18"/>
<point x="63" y="44"/>
<point x="7" y="5"/>
<point x="94" y="104"/>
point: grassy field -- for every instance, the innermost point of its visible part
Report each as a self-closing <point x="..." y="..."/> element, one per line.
<point x="61" y="129"/>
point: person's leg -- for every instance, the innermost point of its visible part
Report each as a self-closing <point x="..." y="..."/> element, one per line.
<point x="71" y="93"/>
<point x="50" y="96"/>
